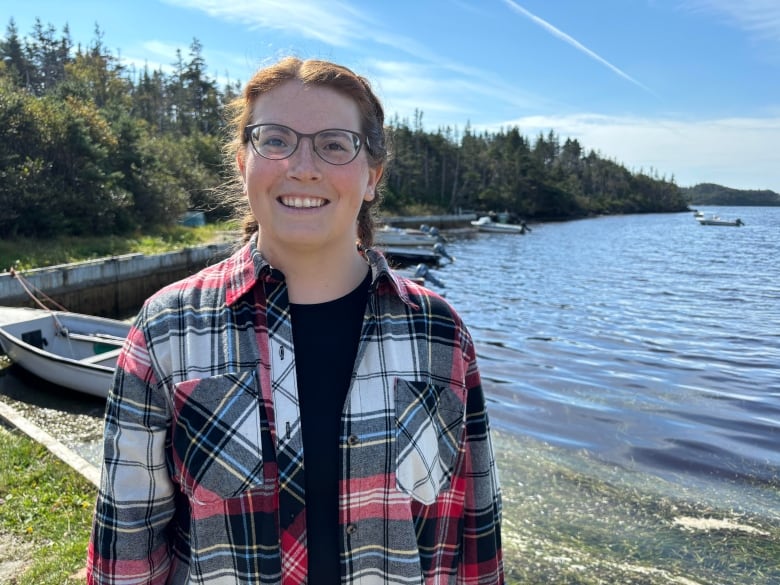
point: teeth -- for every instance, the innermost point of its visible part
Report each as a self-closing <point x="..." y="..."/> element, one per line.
<point x="305" y="202"/>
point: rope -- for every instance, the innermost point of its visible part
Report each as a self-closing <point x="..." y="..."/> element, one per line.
<point x="26" y="285"/>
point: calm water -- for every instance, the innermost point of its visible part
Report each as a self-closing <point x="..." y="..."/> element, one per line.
<point x="648" y="342"/>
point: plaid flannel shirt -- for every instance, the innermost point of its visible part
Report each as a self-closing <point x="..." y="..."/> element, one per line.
<point x="202" y="478"/>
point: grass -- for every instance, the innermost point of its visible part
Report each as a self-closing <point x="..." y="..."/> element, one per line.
<point x="564" y="524"/>
<point x="45" y="515"/>
<point x="27" y="253"/>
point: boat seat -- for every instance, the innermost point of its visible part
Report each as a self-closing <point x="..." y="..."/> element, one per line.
<point x="97" y="338"/>
<point x="100" y="357"/>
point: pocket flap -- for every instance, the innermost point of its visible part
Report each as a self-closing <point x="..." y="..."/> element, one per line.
<point x="429" y="427"/>
<point x="217" y="436"/>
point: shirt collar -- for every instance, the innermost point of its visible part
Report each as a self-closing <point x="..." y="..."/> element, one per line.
<point x="247" y="266"/>
<point x="382" y="277"/>
<point x="244" y="269"/>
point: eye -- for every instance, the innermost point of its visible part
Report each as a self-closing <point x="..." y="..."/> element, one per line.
<point x="273" y="138"/>
<point x="335" y="142"/>
<point x="272" y="141"/>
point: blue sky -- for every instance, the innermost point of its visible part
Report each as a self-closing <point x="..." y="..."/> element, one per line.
<point x="688" y="88"/>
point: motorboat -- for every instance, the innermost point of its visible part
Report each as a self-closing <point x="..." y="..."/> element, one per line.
<point x="486" y="224"/>
<point x="716" y="220"/>
<point x="389" y="236"/>
<point x="76" y="351"/>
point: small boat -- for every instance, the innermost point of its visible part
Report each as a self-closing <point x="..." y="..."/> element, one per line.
<point x="75" y="351"/>
<point x="386" y="236"/>
<point x="486" y="224"/>
<point x="408" y="255"/>
<point x="715" y="220"/>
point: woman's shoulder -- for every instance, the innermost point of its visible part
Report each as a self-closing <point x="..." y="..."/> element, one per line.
<point x="205" y="288"/>
<point x="421" y="299"/>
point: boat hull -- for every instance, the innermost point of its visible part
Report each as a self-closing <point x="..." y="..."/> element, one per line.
<point x="720" y="222"/>
<point x="390" y="236"/>
<point x="485" y="224"/>
<point x="78" y="352"/>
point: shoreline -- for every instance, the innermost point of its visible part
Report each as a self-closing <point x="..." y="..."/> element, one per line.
<point x="567" y="520"/>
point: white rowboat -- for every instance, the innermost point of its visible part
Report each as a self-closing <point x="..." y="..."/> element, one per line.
<point x="75" y="351"/>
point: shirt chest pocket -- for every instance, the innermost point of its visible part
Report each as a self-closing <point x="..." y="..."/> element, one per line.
<point x="429" y="426"/>
<point x="217" y="437"/>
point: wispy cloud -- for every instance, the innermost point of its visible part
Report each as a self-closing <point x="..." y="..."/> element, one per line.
<point x="445" y="93"/>
<point x="556" y="32"/>
<point x="760" y="18"/>
<point x="336" y="23"/>
<point x="427" y="81"/>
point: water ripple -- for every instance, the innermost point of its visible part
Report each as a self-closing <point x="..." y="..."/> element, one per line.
<point x="649" y="340"/>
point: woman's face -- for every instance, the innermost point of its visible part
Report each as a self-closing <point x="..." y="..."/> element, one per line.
<point x="302" y="203"/>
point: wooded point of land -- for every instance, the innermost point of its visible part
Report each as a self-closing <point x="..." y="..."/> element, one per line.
<point x="89" y="145"/>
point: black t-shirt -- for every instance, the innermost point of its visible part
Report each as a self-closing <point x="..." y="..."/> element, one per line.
<point x="326" y="337"/>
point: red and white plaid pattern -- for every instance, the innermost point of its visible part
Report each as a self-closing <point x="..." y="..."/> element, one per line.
<point x="203" y="473"/>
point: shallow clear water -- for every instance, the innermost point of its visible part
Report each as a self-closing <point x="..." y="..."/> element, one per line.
<point x="648" y="342"/>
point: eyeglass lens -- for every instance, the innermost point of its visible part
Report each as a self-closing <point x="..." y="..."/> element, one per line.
<point x="276" y="142"/>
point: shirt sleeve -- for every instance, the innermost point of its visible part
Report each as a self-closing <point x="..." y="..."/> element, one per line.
<point x="481" y="554"/>
<point x="135" y="504"/>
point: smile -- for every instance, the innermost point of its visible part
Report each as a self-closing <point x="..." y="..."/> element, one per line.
<point x="302" y="202"/>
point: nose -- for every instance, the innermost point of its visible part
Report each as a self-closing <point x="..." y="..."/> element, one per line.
<point x="304" y="164"/>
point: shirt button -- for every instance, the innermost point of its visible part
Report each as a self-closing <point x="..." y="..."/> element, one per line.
<point x="353" y="440"/>
<point x="351" y="528"/>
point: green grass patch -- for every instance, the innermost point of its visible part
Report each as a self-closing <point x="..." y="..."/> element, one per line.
<point x="25" y="253"/>
<point x="45" y="514"/>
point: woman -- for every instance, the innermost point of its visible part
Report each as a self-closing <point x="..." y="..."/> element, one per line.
<point x="299" y="412"/>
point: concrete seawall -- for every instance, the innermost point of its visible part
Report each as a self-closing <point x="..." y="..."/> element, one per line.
<point x="112" y="286"/>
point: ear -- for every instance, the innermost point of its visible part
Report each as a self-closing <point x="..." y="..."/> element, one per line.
<point x="374" y="175"/>
<point x="241" y="164"/>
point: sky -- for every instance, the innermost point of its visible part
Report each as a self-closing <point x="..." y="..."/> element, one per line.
<point x="680" y="89"/>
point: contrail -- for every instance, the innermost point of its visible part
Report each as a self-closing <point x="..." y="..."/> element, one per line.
<point x="573" y="42"/>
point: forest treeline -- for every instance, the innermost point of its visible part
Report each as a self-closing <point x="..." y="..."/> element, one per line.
<point x="712" y="194"/>
<point x="91" y="146"/>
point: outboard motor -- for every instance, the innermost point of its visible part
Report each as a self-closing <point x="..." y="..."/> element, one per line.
<point x="422" y="271"/>
<point x="439" y="249"/>
<point x="432" y="231"/>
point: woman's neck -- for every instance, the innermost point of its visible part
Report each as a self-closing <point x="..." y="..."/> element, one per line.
<point x="317" y="278"/>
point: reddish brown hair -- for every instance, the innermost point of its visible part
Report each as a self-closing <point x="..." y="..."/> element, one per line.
<point x="324" y="74"/>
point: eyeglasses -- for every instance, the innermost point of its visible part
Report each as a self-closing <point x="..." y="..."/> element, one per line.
<point x="277" y="142"/>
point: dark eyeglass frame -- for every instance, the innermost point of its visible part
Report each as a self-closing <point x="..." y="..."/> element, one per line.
<point x="357" y="138"/>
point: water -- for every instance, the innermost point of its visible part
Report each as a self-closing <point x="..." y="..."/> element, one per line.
<point x="647" y="342"/>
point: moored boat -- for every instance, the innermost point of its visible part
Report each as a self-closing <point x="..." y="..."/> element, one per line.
<point x="75" y="351"/>
<point x="394" y="236"/>
<point x="716" y="220"/>
<point x="486" y="224"/>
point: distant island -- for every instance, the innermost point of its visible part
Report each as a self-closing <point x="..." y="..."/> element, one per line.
<point x="712" y="194"/>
